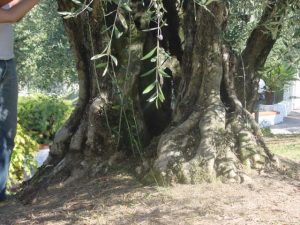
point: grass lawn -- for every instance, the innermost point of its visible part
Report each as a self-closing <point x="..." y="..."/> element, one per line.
<point x="285" y="145"/>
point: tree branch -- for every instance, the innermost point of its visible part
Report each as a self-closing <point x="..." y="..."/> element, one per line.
<point x="256" y="52"/>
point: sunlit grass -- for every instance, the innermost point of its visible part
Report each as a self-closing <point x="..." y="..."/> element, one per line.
<point x="285" y="145"/>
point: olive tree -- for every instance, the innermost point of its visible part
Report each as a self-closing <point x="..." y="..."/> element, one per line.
<point x="162" y="88"/>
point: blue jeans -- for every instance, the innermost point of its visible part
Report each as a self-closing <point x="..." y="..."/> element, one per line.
<point x="8" y="117"/>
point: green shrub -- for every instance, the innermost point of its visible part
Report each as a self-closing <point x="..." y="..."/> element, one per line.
<point x="267" y="132"/>
<point x="41" y="116"/>
<point x="277" y="75"/>
<point x="22" y="158"/>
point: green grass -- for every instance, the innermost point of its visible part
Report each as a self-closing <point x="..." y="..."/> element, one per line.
<point x="285" y="145"/>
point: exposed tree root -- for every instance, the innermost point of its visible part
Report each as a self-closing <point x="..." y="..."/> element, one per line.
<point x="203" y="148"/>
<point x="77" y="152"/>
<point x="211" y="135"/>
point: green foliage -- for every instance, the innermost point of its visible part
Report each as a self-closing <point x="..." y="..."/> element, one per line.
<point x="159" y="56"/>
<point x="283" y="60"/>
<point x="277" y="76"/>
<point x="284" y="57"/>
<point x="107" y="60"/>
<point x="267" y="132"/>
<point x="22" y="159"/>
<point x="41" y="116"/>
<point x="243" y="17"/>
<point x="45" y="61"/>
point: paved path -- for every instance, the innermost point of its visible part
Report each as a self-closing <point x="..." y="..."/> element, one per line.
<point x="290" y="124"/>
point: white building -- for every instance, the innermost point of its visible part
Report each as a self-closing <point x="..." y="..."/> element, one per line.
<point x="291" y="101"/>
<point x="292" y="94"/>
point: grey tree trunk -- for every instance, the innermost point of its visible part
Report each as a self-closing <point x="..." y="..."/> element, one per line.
<point x="211" y="135"/>
<point x="208" y="134"/>
<point x="85" y="144"/>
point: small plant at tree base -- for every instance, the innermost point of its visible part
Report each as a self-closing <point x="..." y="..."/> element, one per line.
<point x="23" y="158"/>
<point x="267" y="132"/>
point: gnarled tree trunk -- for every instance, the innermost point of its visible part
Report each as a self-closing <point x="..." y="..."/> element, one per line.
<point x="208" y="134"/>
<point x="86" y="143"/>
<point x="211" y="133"/>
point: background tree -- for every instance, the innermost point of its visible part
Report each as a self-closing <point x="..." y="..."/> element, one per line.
<point x="274" y="24"/>
<point x="210" y="133"/>
<point x="43" y="51"/>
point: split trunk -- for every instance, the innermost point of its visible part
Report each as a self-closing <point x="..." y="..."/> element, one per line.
<point x="207" y="134"/>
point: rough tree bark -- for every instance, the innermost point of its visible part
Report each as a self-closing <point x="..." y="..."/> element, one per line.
<point x="209" y="134"/>
<point x="85" y="144"/>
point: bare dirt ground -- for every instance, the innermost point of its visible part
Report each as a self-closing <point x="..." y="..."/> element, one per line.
<point x="270" y="198"/>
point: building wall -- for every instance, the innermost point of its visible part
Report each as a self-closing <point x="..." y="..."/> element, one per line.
<point x="291" y="101"/>
<point x="292" y="93"/>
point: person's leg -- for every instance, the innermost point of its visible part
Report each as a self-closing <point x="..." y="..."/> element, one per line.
<point x="8" y="118"/>
<point x="4" y="165"/>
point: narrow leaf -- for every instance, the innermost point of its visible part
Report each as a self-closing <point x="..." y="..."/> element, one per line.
<point x="77" y="2"/>
<point x="126" y="7"/>
<point x="149" y="54"/>
<point x="152" y="98"/>
<point x="123" y="21"/>
<point x="148" y="73"/>
<point x="114" y="59"/>
<point x="118" y="33"/>
<point x="101" y="65"/>
<point x="163" y="73"/>
<point x="149" y="88"/>
<point x="105" y="71"/>
<point x="161" y="97"/>
<point x="98" y="56"/>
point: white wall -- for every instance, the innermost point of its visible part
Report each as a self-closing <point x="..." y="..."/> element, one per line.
<point x="292" y="93"/>
<point x="282" y="108"/>
<point x="291" y="101"/>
